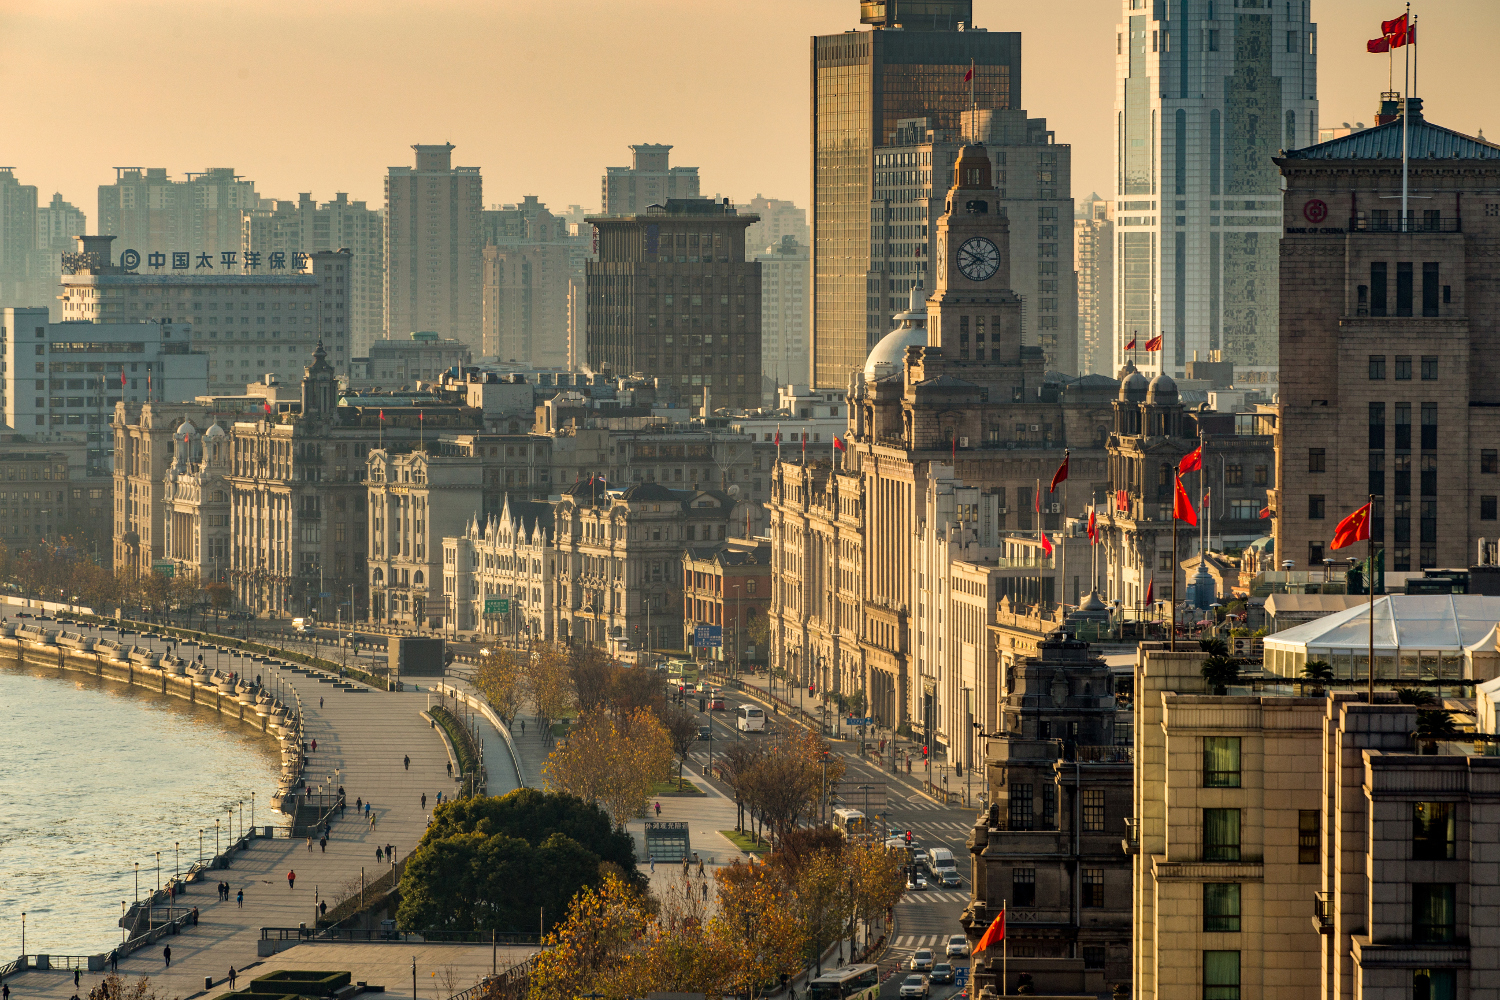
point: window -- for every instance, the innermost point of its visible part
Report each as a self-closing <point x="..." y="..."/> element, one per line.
<point x="1430" y="288"/>
<point x="1234" y="475"/>
<point x="1164" y="561"/>
<point x="1316" y="460"/>
<point x="1308" y="821"/>
<point x="1377" y="426"/>
<point x="1403" y="288"/>
<point x="1489" y="461"/>
<point x="1221" y="907"/>
<point x="1433" y="831"/>
<point x="1262" y="475"/>
<point x="1020" y="807"/>
<point x="1221" y="835"/>
<point x="1221" y="762"/>
<point x="1315" y="506"/>
<point x="1314" y="553"/>
<point x="1487" y="508"/>
<point x="1378" y="273"/>
<point x="1432" y="911"/>
<point x="1093" y="888"/>
<point x="1403" y="367"/>
<point x="1094" y="956"/>
<point x="1093" y="810"/>
<point x="1221" y="975"/>
<point x="1023" y="886"/>
<point x="1377" y="367"/>
<point x="1434" y="984"/>
<point x="1049" y="807"/>
<point x="1429" y="368"/>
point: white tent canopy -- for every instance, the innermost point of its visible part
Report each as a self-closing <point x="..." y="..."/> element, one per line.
<point x="1418" y="635"/>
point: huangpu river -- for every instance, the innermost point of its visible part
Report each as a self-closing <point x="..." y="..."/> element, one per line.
<point x="96" y="776"/>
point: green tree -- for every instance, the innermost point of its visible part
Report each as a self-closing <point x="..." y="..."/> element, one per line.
<point x="1220" y="672"/>
<point x="501" y="678"/>
<point x="1438" y="726"/>
<point x="1415" y="696"/>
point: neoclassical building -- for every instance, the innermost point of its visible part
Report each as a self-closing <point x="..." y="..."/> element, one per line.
<point x="196" y="497"/>
<point x="506" y="557"/>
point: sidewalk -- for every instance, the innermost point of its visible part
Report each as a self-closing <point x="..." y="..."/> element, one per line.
<point x="364" y="735"/>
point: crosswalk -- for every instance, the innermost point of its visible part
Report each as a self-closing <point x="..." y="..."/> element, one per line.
<point x="913" y="942"/>
<point x="935" y="896"/>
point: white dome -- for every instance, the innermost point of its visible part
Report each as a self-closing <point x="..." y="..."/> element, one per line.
<point x="888" y="357"/>
<point x="214" y="433"/>
<point x="186" y="427"/>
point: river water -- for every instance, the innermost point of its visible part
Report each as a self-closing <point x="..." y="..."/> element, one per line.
<point x="96" y="776"/>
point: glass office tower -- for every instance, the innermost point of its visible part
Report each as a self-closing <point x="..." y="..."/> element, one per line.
<point x="910" y="65"/>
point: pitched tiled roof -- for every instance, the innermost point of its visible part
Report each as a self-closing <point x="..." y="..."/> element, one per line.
<point x="1383" y="142"/>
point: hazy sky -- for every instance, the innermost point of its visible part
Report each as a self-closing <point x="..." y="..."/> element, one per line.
<point x="322" y="96"/>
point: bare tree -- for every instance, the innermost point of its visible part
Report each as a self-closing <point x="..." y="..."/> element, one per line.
<point x="681" y="726"/>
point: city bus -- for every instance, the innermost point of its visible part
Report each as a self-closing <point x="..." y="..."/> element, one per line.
<point x="750" y="719"/>
<point x="851" y="822"/>
<point x="852" y="982"/>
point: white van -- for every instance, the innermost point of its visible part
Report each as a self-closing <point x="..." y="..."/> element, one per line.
<point x="302" y="625"/>
<point x="750" y="719"/>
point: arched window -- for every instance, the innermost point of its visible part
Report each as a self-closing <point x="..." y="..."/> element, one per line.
<point x="378" y="576"/>
<point x="417" y="580"/>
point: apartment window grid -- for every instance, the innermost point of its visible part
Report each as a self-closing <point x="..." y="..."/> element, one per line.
<point x="1432" y="912"/>
<point x="1434" y="833"/>
<point x="1221" y="975"/>
<point x="1021" y="807"/>
<point x="1093" y="810"/>
<point x="1221" y="762"/>
<point x="1221" y="907"/>
<point x="1221" y="835"/>
<point x="1093" y="888"/>
<point x="1023" y="886"/>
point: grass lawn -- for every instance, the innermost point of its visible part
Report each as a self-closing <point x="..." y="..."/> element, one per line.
<point x="670" y="787"/>
<point x="744" y="841"/>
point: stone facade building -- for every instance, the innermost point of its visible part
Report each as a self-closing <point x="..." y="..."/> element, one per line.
<point x="727" y="584"/>
<point x="1048" y="847"/>
<point x="434" y="240"/>
<point x="531" y="258"/>
<point x="48" y="491"/>
<point x="1390" y="375"/>
<point x="507" y="556"/>
<point x="649" y="180"/>
<point x="196" y="526"/>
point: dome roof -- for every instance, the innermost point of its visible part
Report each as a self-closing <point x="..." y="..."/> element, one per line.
<point x="214" y="433"/>
<point x="888" y="357"/>
<point x="186" y="427"/>
<point x="1162" y="390"/>
<point x="1134" y="387"/>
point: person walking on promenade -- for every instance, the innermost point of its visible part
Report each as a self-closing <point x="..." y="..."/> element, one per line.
<point x="523" y="727"/>
<point x="166" y="953"/>
<point x="5" y="991"/>
<point x="450" y="769"/>
<point x="240" y="898"/>
<point x="232" y="977"/>
<point x="114" y="965"/>
<point x="323" y="845"/>
<point x="195" y="916"/>
<point x="658" y="809"/>
<point x="291" y="880"/>
<point x="653" y="864"/>
<point x="309" y="843"/>
<point x="315" y="744"/>
<point x="424" y="800"/>
<point x="76" y="977"/>
<point x="359" y="804"/>
<point x="367" y="808"/>
<point x="407" y="761"/>
<point x="379" y="854"/>
<point x="320" y="701"/>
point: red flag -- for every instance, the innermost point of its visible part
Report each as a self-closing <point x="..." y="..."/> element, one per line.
<point x="1265" y="512"/>
<point x="778" y="436"/>
<point x="1192" y="461"/>
<point x="1122" y="500"/>
<point x="1036" y="501"/>
<point x="1182" y="506"/>
<point x="1354" y="528"/>
<point x="1060" y="474"/>
<point x="266" y="406"/>
<point x="1046" y="544"/>
<point x="1380" y="44"/>
<point x="1398" y="31"/>
<point x="382" y="415"/>
<point x="1154" y="344"/>
<point x="1131" y="346"/>
<point x="838" y="443"/>
<point x="970" y="74"/>
<point x="1150" y="589"/>
<point x="122" y="377"/>
<point x="993" y="934"/>
<point x="422" y="416"/>
<point x="1093" y="528"/>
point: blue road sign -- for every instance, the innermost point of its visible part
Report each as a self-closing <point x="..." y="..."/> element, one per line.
<point x="708" y="635"/>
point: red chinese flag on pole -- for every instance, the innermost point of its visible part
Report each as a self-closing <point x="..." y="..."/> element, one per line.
<point x="1046" y="544"/>
<point x="1192" y="461"/>
<point x="1397" y="31"/>
<point x="1131" y="346"/>
<point x="266" y="406"/>
<point x="1036" y="501"/>
<point x="1122" y="500"/>
<point x="1061" y="473"/>
<point x="838" y="444"/>
<point x="1265" y="512"/>
<point x="122" y="378"/>
<point x="1182" y="506"/>
<point x="970" y="74"/>
<point x="382" y="416"/>
<point x="1093" y="528"/>
<point x="1378" y="45"/>
<point x="993" y="934"/>
<point x="1354" y="528"/>
<point x="1150" y="589"/>
<point x="1154" y="344"/>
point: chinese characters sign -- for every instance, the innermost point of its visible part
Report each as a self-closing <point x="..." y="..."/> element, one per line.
<point x="226" y="260"/>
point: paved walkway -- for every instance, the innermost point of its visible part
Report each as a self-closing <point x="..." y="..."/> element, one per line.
<point x="442" y="969"/>
<point x="362" y="737"/>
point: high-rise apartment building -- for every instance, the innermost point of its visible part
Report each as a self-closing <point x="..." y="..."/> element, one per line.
<point x="1207" y="94"/>
<point x="783" y="314"/>
<point x="1033" y="176"/>
<point x="647" y="181"/>
<point x="17" y="240"/>
<point x="304" y="225"/>
<point x="1390" y="379"/>
<point x="778" y="220"/>
<point x="433" y="248"/>
<point x="152" y="213"/>
<point x="672" y="294"/>
<point x="530" y="257"/>
<point x="249" y="319"/>
<point x="863" y="84"/>
<point x="58" y="226"/>
<point x="1094" y="264"/>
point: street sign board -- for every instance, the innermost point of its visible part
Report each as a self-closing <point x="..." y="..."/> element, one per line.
<point x="708" y="635"/>
<point x="852" y="721"/>
<point x="497" y="605"/>
<point x="164" y="567"/>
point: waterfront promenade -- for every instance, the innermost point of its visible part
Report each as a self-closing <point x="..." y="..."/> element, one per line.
<point x="364" y="735"/>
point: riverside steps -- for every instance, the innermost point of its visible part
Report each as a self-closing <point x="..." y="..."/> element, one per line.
<point x="363" y="737"/>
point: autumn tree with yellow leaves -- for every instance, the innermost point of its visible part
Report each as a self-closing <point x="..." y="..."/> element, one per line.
<point x="615" y="763"/>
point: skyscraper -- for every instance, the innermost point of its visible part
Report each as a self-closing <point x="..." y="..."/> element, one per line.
<point x="149" y="212"/>
<point x="911" y="64"/>
<point x="17" y="239"/>
<point x="647" y="181"/>
<point x="530" y="257"/>
<point x="1208" y="93"/>
<point x="433" y="245"/>
<point x="1094" y="260"/>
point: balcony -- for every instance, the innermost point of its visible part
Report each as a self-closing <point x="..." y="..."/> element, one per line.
<point x="1131" y="845"/>
<point x="1322" y="919"/>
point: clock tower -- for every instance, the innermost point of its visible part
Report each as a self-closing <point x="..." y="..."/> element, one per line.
<point x="974" y="315"/>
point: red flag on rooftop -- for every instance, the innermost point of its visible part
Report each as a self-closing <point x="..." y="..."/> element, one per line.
<point x="1193" y="460"/>
<point x="970" y="74"/>
<point x="993" y="934"/>
<point x="1122" y="500"/>
<point x="1061" y="473"/>
<point x="1046" y="544"/>
<point x="1093" y="528"/>
<point x="1354" y="528"/>
<point x="1150" y="589"/>
<point x="838" y="443"/>
<point x="1131" y="346"/>
<point x="1154" y="344"/>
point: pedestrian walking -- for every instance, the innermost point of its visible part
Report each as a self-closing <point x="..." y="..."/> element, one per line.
<point x="450" y="769"/>
<point x="424" y="800"/>
<point x="5" y="990"/>
<point x="76" y="977"/>
<point x="166" y="953"/>
<point x="315" y="745"/>
<point x="705" y="892"/>
<point x="367" y="808"/>
<point x="658" y="809"/>
<point x="700" y="867"/>
<point x="653" y="864"/>
<point x="239" y="898"/>
<point x="407" y="761"/>
<point x="373" y="818"/>
<point x="291" y="880"/>
<point x="195" y="916"/>
<point x="523" y="727"/>
<point x="320" y="702"/>
<point x="323" y="908"/>
<point x="114" y="963"/>
<point x="323" y="845"/>
<point x="232" y="977"/>
<point x="359" y="804"/>
<point x="309" y="843"/>
<point x="380" y="854"/>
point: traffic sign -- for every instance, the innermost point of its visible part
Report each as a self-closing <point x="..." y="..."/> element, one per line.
<point x="325" y="594"/>
<point x="852" y="721"/>
<point x="708" y="635"/>
<point x="497" y="605"/>
<point x="164" y="567"/>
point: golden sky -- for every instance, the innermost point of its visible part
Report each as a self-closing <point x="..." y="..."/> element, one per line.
<point x="323" y="95"/>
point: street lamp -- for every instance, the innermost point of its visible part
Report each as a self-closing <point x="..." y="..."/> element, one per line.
<point x="158" y="871"/>
<point x="217" y="851"/>
<point x="137" y="884"/>
<point x="200" y="845"/>
<point x="177" y="860"/>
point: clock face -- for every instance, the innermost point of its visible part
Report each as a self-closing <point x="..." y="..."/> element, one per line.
<point x="978" y="259"/>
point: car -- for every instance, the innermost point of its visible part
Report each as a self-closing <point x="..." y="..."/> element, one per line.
<point x="716" y="703"/>
<point x="949" y="877"/>
<point x="921" y="960"/>
<point x="913" y="986"/>
<point x="941" y="973"/>
<point x="958" y="946"/>
<point x="704" y="732"/>
<point x="918" y="855"/>
<point x="916" y="880"/>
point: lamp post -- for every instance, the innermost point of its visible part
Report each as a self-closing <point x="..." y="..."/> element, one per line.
<point x="200" y="845"/>
<point x="158" y="871"/>
<point x="137" y="884"/>
<point x="217" y="850"/>
<point x="177" y="860"/>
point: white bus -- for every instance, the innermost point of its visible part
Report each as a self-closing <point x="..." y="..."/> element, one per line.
<point x="750" y="719"/>
<point x="852" y="982"/>
<point x="851" y="822"/>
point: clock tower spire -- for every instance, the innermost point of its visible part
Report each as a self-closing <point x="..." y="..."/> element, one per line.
<point x="974" y="315"/>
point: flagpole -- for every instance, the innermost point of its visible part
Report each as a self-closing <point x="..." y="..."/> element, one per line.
<point x="1172" y="642"/>
<point x="1004" y="951"/>
<point x="1063" y="553"/>
<point x="1370" y="586"/>
<point x="1405" y="127"/>
<point x="1036" y="505"/>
